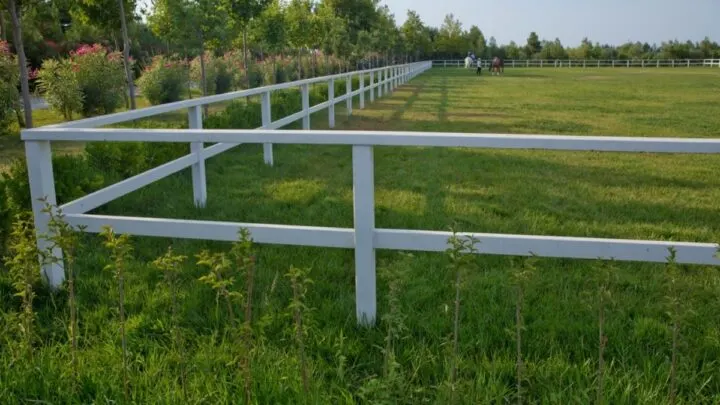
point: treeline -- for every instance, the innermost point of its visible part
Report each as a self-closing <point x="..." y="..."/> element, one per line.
<point x="351" y="30"/>
<point x="266" y="41"/>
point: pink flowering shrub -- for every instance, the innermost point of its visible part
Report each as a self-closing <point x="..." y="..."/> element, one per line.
<point x="164" y="80"/>
<point x="9" y="79"/>
<point x="91" y="81"/>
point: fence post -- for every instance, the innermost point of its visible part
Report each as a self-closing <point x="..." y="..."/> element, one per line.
<point x="688" y="63"/>
<point x="372" y="84"/>
<point x="364" y="218"/>
<point x="198" y="168"/>
<point x="380" y="83"/>
<point x="628" y="63"/>
<point x="387" y="80"/>
<point x="305" y="90"/>
<point x="42" y="187"/>
<point x="541" y="63"/>
<point x="613" y="63"/>
<point x="331" y="100"/>
<point x="266" y="120"/>
<point x="348" y="90"/>
<point x="362" y="90"/>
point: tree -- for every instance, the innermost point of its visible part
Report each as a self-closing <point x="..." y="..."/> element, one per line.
<point x="476" y="40"/>
<point x="241" y="13"/>
<point x="15" y="19"/>
<point x="359" y="15"/>
<point x="298" y="18"/>
<point x="415" y="35"/>
<point x="450" y="37"/>
<point x="111" y="15"/>
<point x="197" y="24"/>
<point x="533" y="45"/>
<point x="512" y="51"/>
<point x="269" y="29"/>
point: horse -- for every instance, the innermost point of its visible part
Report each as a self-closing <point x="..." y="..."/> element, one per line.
<point x="468" y="62"/>
<point x="498" y="65"/>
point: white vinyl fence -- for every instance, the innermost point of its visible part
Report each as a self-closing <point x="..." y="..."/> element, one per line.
<point x="642" y="63"/>
<point x="364" y="237"/>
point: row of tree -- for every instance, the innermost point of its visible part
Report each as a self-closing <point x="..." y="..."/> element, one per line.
<point x="355" y="31"/>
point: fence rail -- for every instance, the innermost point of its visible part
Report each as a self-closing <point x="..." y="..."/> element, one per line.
<point x="589" y="63"/>
<point x="364" y="237"/>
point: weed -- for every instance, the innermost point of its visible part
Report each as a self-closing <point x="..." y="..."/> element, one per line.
<point x="246" y="257"/>
<point x="521" y="276"/>
<point x="462" y="257"/>
<point x="120" y="254"/>
<point x="170" y="264"/>
<point x="299" y="282"/>
<point x="22" y="262"/>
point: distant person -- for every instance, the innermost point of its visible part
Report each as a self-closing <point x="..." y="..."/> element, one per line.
<point x="479" y="67"/>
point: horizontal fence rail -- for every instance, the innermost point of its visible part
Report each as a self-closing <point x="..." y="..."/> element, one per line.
<point x="587" y="63"/>
<point x="364" y="237"/>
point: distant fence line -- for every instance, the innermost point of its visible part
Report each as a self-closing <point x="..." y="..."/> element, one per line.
<point x="589" y="63"/>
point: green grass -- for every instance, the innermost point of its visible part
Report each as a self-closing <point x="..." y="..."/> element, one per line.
<point x="643" y="196"/>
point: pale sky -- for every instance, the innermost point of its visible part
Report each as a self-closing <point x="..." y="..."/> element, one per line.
<point x="604" y="21"/>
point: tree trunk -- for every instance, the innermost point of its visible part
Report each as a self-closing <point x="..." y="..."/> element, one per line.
<point x="314" y="62"/>
<point x="3" y="30"/>
<point x="126" y="55"/>
<point x="245" y="59"/>
<point x="203" y="77"/>
<point x="22" y="61"/>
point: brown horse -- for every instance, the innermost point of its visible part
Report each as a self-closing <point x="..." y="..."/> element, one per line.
<point x="498" y="65"/>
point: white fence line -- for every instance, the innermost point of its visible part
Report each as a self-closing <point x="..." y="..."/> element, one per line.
<point x="588" y="63"/>
<point x="364" y="237"/>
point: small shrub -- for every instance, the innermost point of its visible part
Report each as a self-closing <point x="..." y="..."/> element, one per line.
<point x="164" y="80"/>
<point x="22" y="263"/>
<point x="74" y="178"/>
<point x="223" y="77"/>
<point x="210" y="72"/>
<point x="58" y="82"/>
<point x="91" y="81"/>
<point x="9" y="79"/>
<point x="237" y="115"/>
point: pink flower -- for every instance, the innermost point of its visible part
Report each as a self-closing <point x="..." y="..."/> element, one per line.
<point x="33" y="74"/>
<point x="4" y="47"/>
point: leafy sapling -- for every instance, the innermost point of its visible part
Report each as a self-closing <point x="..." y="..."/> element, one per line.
<point x="462" y="256"/>
<point x="120" y="254"/>
<point x="170" y="264"/>
<point x="244" y="254"/>
<point x="22" y="263"/>
<point x="63" y="236"/>
<point x="299" y="282"/>
<point x="521" y="277"/>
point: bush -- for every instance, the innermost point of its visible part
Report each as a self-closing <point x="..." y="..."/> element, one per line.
<point x="58" y="82"/>
<point x="74" y="178"/>
<point x="126" y="159"/>
<point x="223" y="77"/>
<point x="9" y="79"/>
<point x="210" y="72"/>
<point x="164" y="80"/>
<point x="93" y="73"/>
<point x="101" y="78"/>
<point x="238" y="115"/>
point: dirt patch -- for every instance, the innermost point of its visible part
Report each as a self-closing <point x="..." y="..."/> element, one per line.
<point x="593" y="77"/>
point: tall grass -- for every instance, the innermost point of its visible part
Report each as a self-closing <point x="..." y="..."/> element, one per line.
<point x="576" y="345"/>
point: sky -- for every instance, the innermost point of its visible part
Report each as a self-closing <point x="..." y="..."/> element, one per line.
<point x="605" y="21"/>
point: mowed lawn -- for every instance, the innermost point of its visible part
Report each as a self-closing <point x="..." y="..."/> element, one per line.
<point x="619" y="195"/>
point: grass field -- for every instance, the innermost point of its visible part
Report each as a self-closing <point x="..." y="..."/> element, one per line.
<point x="638" y="196"/>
